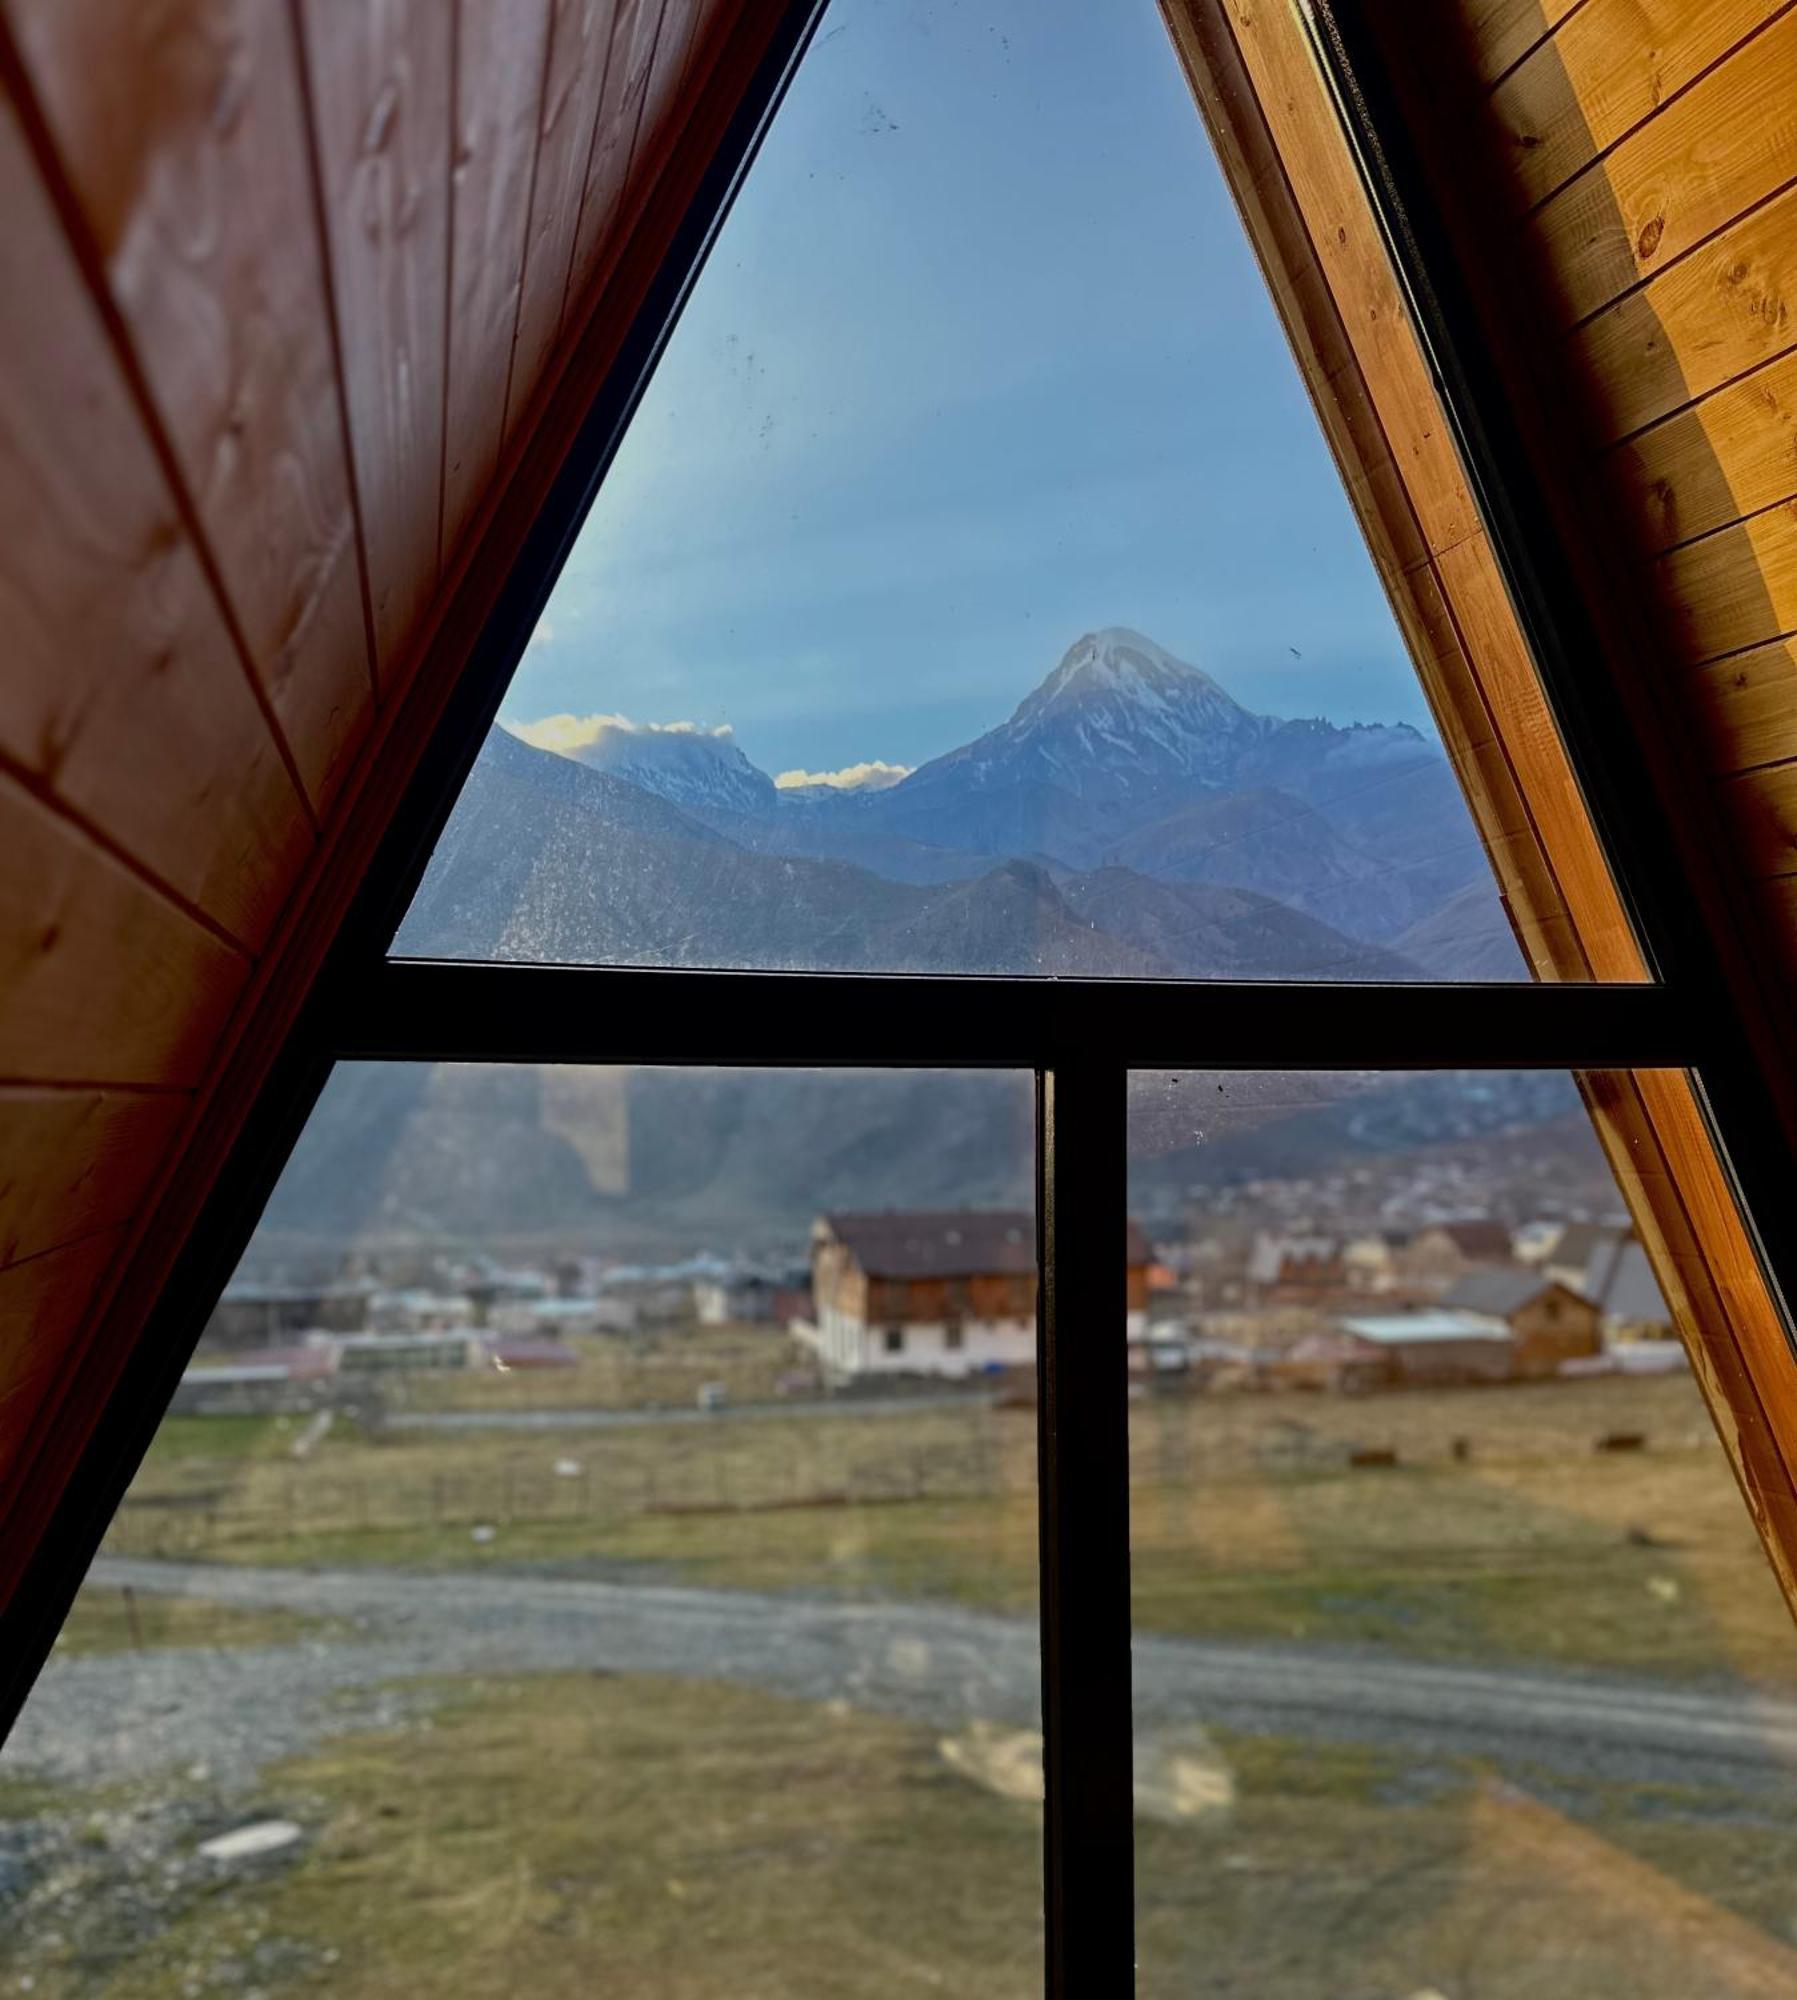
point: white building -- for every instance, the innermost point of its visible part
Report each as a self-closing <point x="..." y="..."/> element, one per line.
<point x="946" y="1293"/>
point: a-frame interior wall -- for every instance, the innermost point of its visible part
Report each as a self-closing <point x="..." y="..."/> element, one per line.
<point x="1254" y="70"/>
<point x="305" y="304"/>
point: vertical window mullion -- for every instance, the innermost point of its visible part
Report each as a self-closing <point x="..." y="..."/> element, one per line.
<point x="1083" y="1405"/>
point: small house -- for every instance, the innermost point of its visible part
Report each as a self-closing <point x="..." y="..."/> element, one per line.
<point x="1432" y="1349"/>
<point x="1294" y="1268"/>
<point x="948" y="1293"/>
<point x="1550" y="1323"/>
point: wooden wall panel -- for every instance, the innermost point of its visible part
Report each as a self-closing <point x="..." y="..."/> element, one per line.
<point x="1744" y="710"/>
<point x="383" y="129"/>
<point x="1734" y="589"/>
<point x="1709" y="156"/>
<point x="114" y="640"/>
<point x="500" y="50"/>
<point x="1470" y="654"/>
<point x="1730" y="455"/>
<point x="180" y="129"/>
<point x="1611" y="67"/>
<point x="76" y="1161"/>
<point x="42" y="1301"/>
<point x="1500" y="33"/>
<point x="102" y="979"/>
<point x="580" y="43"/>
<point x="1725" y="309"/>
<point x="223" y="410"/>
<point x="634" y="29"/>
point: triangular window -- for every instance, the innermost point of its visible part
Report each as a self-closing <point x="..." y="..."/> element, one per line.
<point x="972" y="590"/>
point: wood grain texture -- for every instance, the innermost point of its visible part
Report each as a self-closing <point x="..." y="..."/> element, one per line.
<point x="122" y="693"/>
<point x="1469" y="650"/>
<point x="41" y="1303"/>
<point x="383" y="127"/>
<point x="1502" y="698"/>
<point x="101" y="978"/>
<point x="635" y="26"/>
<point x="179" y="124"/>
<point x="1731" y="454"/>
<point x="1727" y="308"/>
<point x="580" y="42"/>
<point x="1734" y="589"/>
<point x="1724" y="146"/>
<point x="500" y="48"/>
<point x="681" y="23"/>
<point x="1762" y="813"/>
<point x="1500" y="33"/>
<point x="1607" y="70"/>
<point x="1327" y="190"/>
<point x="1745" y="709"/>
<point x="76" y="1161"/>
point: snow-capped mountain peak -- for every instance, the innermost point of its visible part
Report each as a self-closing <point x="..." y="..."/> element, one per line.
<point x="1118" y="665"/>
<point x="692" y="765"/>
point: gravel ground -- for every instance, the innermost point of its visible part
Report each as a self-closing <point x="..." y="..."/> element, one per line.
<point x="98" y="1719"/>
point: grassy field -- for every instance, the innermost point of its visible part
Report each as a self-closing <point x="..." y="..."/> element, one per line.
<point x="648" y="1370"/>
<point x="1502" y="1533"/>
<point x="103" y="1620"/>
<point x="660" y="1841"/>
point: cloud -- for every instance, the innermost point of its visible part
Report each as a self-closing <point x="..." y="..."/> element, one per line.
<point x="569" y="733"/>
<point x="873" y="776"/>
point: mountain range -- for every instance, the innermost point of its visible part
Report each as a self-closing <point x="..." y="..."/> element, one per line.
<point x="1130" y="817"/>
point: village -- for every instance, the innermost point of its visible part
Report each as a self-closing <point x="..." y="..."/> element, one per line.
<point x="948" y="1298"/>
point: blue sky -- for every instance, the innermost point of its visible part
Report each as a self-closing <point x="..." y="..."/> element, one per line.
<point x="981" y="361"/>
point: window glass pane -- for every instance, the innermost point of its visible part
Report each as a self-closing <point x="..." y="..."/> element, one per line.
<point x="973" y="590"/>
<point x="1458" y="1667"/>
<point x="579" y="1560"/>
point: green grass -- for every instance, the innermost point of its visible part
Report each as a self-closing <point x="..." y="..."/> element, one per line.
<point x="1246" y="1522"/>
<point x="657" y="1840"/>
<point x="102" y="1621"/>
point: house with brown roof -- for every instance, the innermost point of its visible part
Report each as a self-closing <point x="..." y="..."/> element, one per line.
<point x="1550" y="1323"/>
<point x="949" y="1293"/>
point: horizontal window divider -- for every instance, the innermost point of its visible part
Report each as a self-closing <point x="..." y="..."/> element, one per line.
<point x="457" y="1011"/>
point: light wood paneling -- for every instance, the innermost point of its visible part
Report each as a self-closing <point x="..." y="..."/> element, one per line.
<point x="101" y="978"/>
<point x="76" y="1161"/>
<point x="1746" y="708"/>
<point x="1730" y="455"/>
<point x="1721" y="148"/>
<point x="500" y="49"/>
<point x="1610" y="68"/>
<point x="1500" y="33"/>
<point x="383" y="129"/>
<point x="1725" y="309"/>
<point x="180" y="128"/>
<point x="114" y="642"/>
<point x="1734" y="589"/>
<point x="580" y="40"/>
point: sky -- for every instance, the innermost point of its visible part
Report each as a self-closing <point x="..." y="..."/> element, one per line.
<point x="981" y="361"/>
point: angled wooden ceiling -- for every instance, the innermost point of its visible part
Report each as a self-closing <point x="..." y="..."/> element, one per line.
<point x="290" y="285"/>
<point x="304" y="296"/>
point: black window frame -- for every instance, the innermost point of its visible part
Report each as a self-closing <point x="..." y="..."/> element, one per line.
<point x="1080" y="1038"/>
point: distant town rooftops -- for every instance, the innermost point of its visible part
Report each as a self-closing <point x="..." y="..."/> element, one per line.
<point x="1398" y="1329"/>
<point x="1476" y="1236"/>
<point x="948" y="1243"/>
<point x="1502" y="1289"/>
